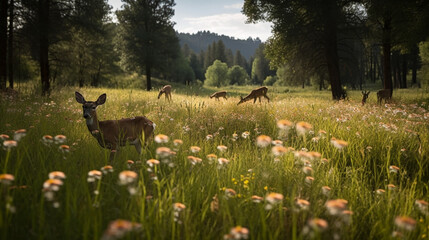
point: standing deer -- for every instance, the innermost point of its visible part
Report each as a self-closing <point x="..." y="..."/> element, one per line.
<point x="112" y="134"/>
<point x="385" y="94"/>
<point x="365" y="96"/>
<point x="217" y="95"/>
<point x="167" y="91"/>
<point x="256" y="93"/>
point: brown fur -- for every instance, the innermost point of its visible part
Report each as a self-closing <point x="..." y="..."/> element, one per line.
<point x="217" y="95"/>
<point x="167" y="91"/>
<point x="254" y="94"/>
<point x="385" y="94"/>
<point x="112" y="134"/>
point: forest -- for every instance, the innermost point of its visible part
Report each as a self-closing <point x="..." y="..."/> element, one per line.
<point x="329" y="46"/>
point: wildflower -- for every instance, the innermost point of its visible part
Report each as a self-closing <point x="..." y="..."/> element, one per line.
<point x="106" y="169"/>
<point x="423" y="206"/>
<point x="274" y="198"/>
<point x="8" y="144"/>
<point x="277" y="142"/>
<point x="303" y="127"/>
<point x="64" y="148"/>
<point x="303" y="204"/>
<point x="326" y="190"/>
<point x="307" y="170"/>
<point x="195" y="149"/>
<point x="245" y="134"/>
<point x="380" y="191"/>
<point x="237" y="233"/>
<point x="194" y="160"/>
<point x="263" y="141"/>
<point x="339" y="144"/>
<point x="257" y="199"/>
<point x="336" y="207"/>
<point x="57" y="175"/>
<point x="177" y="142"/>
<point x="222" y="148"/>
<point x="405" y="222"/>
<point x="391" y="186"/>
<point x="130" y="163"/>
<point x="211" y="158"/>
<point x="322" y="133"/>
<point x="393" y="169"/>
<point x="19" y="134"/>
<point x="222" y="161"/>
<point x="234" y="136"/>
<point x="284" y="124"/>
<point x="209" y="137"/>
<point x="127" y="177"/>
<point x="163" y="152"/>
<point x="179" y="207"/>
<point x="118" y="228"/>
<point x="52" y="185"/>
<point x="47" y="139"/>
<point x="278" y="151"/>
<point x="309" y="179"/>
<point x="229" y="192"/>
<point x="94" y="175"/>
<point x="318" y="224"/>
<point x="214" y="204"/>
<point x="346" y="216"/>
<point x="161" y="138"/>
<point x="4" y="137"/>
<point x="6" y="178"/>
<point x="59" y="139"/>
<point x="152" y="162"/>
<point x="315" y="139"/>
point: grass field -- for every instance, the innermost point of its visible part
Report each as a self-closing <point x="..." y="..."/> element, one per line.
<point x="341" y="170"/>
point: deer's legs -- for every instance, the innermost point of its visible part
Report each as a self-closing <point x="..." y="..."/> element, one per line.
<point x="138" y="146"/>
<point x="265" y="96"/>
<point x="254" y="100"/>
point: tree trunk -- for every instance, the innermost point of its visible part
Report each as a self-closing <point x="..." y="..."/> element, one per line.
<point x="148" y="77"/>
<point x="10" y="53"/>
<point x="3" y="43"/>
<point x="331" y="51"/>
<point x="386" y="43"/>
<point x="44" y="46"/>
<point x="404" y="72"/>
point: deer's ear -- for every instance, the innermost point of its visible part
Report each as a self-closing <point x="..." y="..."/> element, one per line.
<point x="79" y="98"/>
<point x="101" y="99"/>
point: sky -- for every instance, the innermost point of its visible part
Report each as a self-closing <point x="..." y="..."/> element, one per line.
<point x="218" y="16"/>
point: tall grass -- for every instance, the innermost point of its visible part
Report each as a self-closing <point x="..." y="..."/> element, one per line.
<point x="378" y="136"/>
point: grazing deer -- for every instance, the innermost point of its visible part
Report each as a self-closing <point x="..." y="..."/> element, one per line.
<point x="365" y="95"/>
<point x="167" y="91"/>
<point x="385" y="94"/>
<point x="217" y="95"/>
<point x="112" y="134"/>
<point x="256" y="93"/>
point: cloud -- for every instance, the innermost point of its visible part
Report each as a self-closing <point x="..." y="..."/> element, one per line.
<point x="234" y="6"/>
<point x="233" y="25"/>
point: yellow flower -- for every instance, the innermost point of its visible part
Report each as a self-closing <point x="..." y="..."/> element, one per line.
<point x="161" y="138"/>
<point x="266" y="188"/>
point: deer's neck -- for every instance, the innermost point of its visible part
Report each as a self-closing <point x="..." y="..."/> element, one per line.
<point x="92" y="123"/>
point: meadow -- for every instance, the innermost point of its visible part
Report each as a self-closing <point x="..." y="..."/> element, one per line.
<point x="299" y="167"/>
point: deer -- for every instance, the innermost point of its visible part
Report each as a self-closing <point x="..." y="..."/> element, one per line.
<point x="217" y="95"/>
<point x="112" y="134"/>
<point x="167" y="91"/>
<point x="256" y="93"/>
<point x="385" y="94"/>
<point x="365" y="95"/>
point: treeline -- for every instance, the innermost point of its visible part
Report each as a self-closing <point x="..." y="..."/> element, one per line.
<point x="202" y="39"/>
<point x="329" y="45"/>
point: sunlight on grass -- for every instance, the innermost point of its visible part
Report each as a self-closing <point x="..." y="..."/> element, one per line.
<point x="299" y="167"/>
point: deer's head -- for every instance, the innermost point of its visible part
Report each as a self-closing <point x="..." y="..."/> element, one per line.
<point x="365" y="95"/>
<point x="241" y="100"/>
<point x="89" y="107"/>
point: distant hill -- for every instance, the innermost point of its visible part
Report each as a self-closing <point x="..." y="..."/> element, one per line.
<point x="201" y="40"/>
